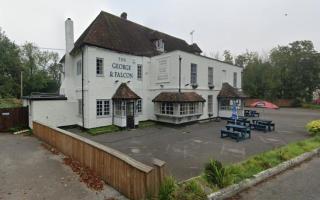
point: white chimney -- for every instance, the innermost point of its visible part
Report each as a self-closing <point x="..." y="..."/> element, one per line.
<point x="69" y="35"/>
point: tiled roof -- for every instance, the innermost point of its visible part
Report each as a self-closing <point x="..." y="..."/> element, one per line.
<point x="178" y="97"/>
<point x="114" y="33"/>
<point x="227" y="91"/>
<point x="124" y="93"/>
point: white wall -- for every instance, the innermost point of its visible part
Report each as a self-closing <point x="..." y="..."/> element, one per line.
<point x="52" y="112"/>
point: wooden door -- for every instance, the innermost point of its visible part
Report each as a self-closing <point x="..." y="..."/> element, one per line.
<point x="130" y="114"/>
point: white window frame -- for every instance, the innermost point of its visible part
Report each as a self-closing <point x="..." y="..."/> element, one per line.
<point x="210" y="104"/>
<point x="235" y="79"/>
<point x="193" y="74"/>
<point x="79" y="67"/>
<point x="139" y="72"/>
<point x="80" y="107"/>
<point x="139" y="106"/>
<point x="99" y="69"/>
<point x="166" y="108"/>
<point x="103" y="107"/>
<point x="210" y="75"/>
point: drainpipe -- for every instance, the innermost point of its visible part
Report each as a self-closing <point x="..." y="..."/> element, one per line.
<point x="180" y="73"/>
<point x="82" y="90"/>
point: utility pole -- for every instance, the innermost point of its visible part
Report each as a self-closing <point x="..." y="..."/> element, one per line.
<point x="21" y="84"/>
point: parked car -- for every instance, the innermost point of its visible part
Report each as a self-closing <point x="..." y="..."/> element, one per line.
<point x="317" y="101"/>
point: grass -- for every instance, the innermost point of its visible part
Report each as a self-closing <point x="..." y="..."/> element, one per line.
<point x="10" y="103"/>
<point x="103" y="130"/>
<point x="311" y="106"/>
<point x="258" y="163"/>
<point x="147" y="123"/>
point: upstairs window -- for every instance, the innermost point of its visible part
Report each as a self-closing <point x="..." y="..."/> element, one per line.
<point x="103" y="107"/>
<point x="79" y="67"/>
<point x="210" y="75"/>
<point x="235" y="77"/>
<point x="193" y="80"/>
<point x="139" y="72"/>
<point x="99" y="66"/>
<point x="159" y="45"/>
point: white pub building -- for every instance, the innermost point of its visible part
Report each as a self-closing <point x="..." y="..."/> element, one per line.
<point x="119" y="72"/>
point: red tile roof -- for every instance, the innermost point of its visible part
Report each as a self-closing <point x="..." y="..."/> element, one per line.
<point x="178" y="97"/>
<point x="124" y="93"/>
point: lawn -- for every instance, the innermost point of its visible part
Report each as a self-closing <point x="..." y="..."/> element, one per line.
<point x="10" y="103"/>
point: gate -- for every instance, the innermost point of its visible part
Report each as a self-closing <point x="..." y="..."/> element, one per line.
<point x="13" y="117"/>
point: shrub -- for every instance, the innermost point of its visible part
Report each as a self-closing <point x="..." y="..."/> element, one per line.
<point x="167" y="189"/>
<point x="216" y="174"/>
<point x="314" y="127"/>
<point x="190" y="191"/>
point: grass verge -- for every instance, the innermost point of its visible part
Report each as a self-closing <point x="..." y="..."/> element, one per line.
<point x="10" y="103"/>
<point x="311" y="106"/>
<point x="258" y="163"/>
<point x="103" y="130"/>
<point x="147" y="123"/>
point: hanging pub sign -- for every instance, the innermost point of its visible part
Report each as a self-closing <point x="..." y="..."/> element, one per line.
<point x="121" y="70"/>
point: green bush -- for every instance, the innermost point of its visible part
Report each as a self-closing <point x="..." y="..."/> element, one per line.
<point x="314" y="127"/>
<point x="167" y="189"/>
<point x="216" y="174"/>
<point x="190" y="191"/>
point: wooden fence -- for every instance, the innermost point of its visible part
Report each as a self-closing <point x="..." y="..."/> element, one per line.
<point x="130" y="177"/>
<point x="13" y="117"/>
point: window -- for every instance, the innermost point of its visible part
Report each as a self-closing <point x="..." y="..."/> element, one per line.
<point x="79" y="67"/>
<point x="99" y="67"/>
<point x="183" y="109"/>
<point x="103" y="107"/>
<point x="210" y="104"/>
<point x="80" y="107"/>
<point x="160" y="45"/>
<point x="191" y="108"/>
<point x="166" y="108"/>
<point x="193" y="79"/>
<point x="139" y="72"/>
<point x="235" y="76"/>
<point x="119" y="108"/>
<point x="210" y="75"/>
<point x="139" y="106"/>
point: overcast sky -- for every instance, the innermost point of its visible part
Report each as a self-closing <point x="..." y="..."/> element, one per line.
<point x="236" y="25"/>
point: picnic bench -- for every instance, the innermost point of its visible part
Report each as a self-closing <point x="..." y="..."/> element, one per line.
<point x="263" y="125"/>
<point x="236" y="132"/>
<point x="251" y="113"/>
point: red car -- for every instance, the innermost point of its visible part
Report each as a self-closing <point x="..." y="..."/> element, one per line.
<point x="317" y="101"/>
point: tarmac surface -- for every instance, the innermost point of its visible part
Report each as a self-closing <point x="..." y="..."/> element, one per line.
<point x="187" y="148"/>
<point x="28" y="171"/>
<point x="299" y="183"/>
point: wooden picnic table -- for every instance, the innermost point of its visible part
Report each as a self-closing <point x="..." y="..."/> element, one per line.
<point x="267" y="123"/>
<point x="237" y="132"/>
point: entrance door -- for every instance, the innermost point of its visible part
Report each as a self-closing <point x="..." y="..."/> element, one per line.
<point x="130" y="114"/>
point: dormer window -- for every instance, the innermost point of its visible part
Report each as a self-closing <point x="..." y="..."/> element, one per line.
<point x="159" y="45"/>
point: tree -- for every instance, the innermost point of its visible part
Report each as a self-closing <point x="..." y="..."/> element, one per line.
<point x="10" y="67"/>
<point x="227" y="57"/>
<point x="297" y="68"/>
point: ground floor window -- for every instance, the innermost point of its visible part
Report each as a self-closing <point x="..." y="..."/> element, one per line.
<point x="210" y="104"/>
<point x="119" y="108"/>
<point x="80" y="107"/>
<point x="103" y="107"/>
<point x="166" y="108"/>
<point x="190" y="108"/>
<point x="139" y="106"/>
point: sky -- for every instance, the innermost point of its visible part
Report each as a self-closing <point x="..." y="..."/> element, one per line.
<point x="235" y="25"/>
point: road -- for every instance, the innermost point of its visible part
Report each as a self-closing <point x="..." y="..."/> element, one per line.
<point x="299" y="183"/>
<point x="28" y="171"/>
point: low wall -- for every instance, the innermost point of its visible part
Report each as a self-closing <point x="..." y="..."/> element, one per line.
<point x="130" y="177"/>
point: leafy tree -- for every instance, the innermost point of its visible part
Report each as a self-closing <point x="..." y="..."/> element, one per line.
<point x="10" y="67"/>
<point x="227" y="57"/>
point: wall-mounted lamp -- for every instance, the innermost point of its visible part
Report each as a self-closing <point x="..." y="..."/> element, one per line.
<point x="116" y="81"/>
<point x="161" y="86"/>
<point x="186" y="85"/>
<point x="128" y="81"/>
